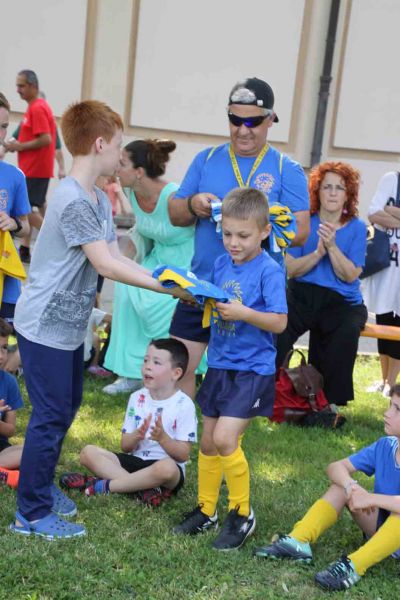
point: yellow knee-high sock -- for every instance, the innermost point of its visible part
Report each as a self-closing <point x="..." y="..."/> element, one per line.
<point x="209" y="482"/>
<point x="237" y="475"/>
<point x="319" y="517"/>
<point x="382" y="544"/>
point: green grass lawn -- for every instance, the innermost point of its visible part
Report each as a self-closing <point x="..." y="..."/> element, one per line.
<point x="129" y="551"/>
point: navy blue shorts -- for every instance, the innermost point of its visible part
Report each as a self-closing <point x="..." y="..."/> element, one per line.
<point x="37" y="190"/>
<point x="133" y="463"/>
<point x="186" y="324"/>
<point x="7" y="311"/>
<point x="241" y="394"/>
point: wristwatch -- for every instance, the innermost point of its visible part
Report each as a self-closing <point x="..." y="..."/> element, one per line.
<point x="19" y="225"/>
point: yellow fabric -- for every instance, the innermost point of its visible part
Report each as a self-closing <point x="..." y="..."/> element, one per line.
<point x="10" y="263"/>
<point x="283" y="225"/>
<point x="317" y="519"/>
<point x="209" y="481"/>
<point x="237" y="476"/>
<point x="168" y="274"/>
<point x="210" y="312"/>
<point x="382" y="544"/>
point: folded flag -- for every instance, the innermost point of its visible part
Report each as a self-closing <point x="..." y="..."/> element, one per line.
<point x="10" y="262"/>
<point x="205" y="293"/>
<point x="283" y="223"/>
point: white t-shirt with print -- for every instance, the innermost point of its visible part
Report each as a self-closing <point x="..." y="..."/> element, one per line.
<point x="178" y="416"/>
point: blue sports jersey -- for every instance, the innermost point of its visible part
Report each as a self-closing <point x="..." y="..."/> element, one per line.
<point x="352" y="241"/>
<point x="14" y="201"/>
<point x="379" y="459"/>
<point x="281" y="179"/>
<point x="260" y="285"/>
<point x="9" y="392"/>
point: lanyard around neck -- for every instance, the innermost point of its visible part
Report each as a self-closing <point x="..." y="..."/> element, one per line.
<point x="254" y="168"/>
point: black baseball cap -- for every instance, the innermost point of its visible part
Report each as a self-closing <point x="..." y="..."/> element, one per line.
<point x="254" y="92"/>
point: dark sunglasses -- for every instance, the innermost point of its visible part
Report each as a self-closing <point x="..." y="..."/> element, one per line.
<point x="249" y="122"/>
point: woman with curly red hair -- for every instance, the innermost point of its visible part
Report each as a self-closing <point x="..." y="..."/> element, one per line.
<point x="324" y="288"/>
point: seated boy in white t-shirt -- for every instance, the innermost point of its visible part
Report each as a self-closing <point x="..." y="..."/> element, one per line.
<point x="159" y="429"/>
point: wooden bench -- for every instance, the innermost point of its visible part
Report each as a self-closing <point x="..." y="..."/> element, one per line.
<point x="382" y="332"/>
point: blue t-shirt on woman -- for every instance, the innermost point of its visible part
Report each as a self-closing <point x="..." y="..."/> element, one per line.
<point x="351" y="239"/>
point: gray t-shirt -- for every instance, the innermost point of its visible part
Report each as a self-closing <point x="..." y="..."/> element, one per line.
<point x="56" y="303"/>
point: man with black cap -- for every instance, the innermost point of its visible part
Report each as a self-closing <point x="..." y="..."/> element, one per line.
<point x="247" y="161"/>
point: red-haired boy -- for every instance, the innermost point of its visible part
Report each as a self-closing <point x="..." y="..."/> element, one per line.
<point x="76" y="243"/>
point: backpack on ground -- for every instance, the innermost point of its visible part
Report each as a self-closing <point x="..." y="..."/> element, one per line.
<point x="299" y="397"/>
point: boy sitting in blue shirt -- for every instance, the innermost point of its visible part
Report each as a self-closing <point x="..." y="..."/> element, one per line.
<point x="240" y="381"/>
<point x="10" y="401"/>
<point x="159" y="429"/>
<point x="377" y="514"/>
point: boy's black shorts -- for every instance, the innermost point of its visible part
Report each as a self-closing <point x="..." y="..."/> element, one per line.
<point x="133" y="463"/>
<point x="4" y="444"/>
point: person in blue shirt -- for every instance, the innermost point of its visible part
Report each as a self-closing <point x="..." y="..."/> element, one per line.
<point x="14" y="210"/>
<point x="10" y="402"/>
<point x="324" y="294"/>
<point x="377" y="513"/>
<point x="240" y="381"/>
<point x="246" y="161"/>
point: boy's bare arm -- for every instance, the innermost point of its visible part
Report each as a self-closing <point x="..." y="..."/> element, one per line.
<point x="236" y="311"/>
<point x="340" y="472"/>
<point x="115" y="253"/>
<point x="8" y="426"/>
<point x="363" y="500"/>
<point x="98" y="253"/>
<point x="176" y="449"/>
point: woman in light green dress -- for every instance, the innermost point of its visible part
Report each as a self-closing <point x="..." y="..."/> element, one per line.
<point x="141" y="315"/>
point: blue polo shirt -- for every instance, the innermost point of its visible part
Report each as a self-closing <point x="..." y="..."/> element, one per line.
<point x="280" y="178"/>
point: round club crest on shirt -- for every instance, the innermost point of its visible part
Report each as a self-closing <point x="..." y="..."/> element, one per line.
<point x="264" y="182"/>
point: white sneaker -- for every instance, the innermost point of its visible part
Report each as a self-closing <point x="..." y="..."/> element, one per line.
<point x="386" y="390"/>
<point x="123" y="385"/>
<point x="376" y="387"/>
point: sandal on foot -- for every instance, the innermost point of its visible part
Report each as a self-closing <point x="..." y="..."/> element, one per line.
<point x="75" y="481"/>
<point x="50" y="527"/>
<point x="62" y="505"/>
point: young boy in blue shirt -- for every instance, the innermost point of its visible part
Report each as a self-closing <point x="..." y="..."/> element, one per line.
<point x="10" y="402"/>
<point x="377" y="513"/>
<point x="240" y="381"/>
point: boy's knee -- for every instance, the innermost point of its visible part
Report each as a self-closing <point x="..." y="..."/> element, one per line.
<point x="225" y="443"/>
<point x="207" y="445"/>
<point x="87" y="453"/>
<point x="336" y="496"/>
<point x="165" y="469"/>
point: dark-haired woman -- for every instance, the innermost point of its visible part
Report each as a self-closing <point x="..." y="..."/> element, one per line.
<point x="324" y="288"/>
<point x="139" y="316"/>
